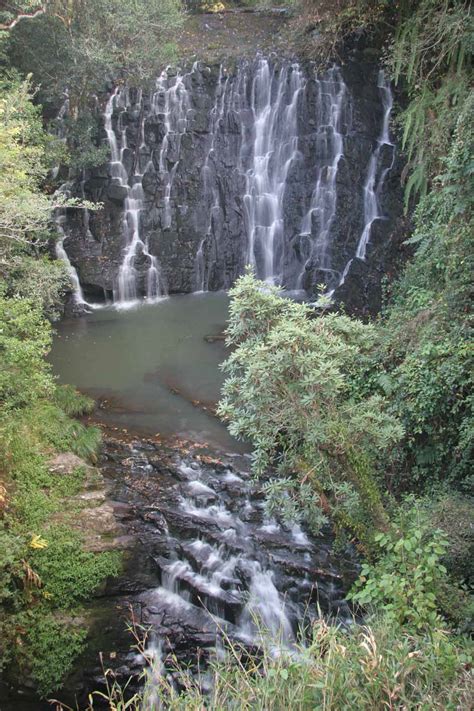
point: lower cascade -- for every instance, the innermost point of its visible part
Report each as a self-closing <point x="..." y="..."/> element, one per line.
<point x="265" y="164"/>
<point x="223" y="567"/>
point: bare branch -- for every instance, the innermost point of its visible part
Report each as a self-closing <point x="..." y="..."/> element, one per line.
<point x="24" y="16"/>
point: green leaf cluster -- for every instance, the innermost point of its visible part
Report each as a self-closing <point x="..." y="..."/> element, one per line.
<point x="426" y="335"/>
<point x="405" y="583"/>
<point x="78" y="46"/>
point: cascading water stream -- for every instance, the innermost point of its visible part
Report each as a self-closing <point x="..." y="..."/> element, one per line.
<point x="274" y="103"/>
<point x="171" y="99"/>
<point x="77" y="293"/>
<point x="221" y="562"/>
<point x="375" y="177"/>
<point x="210" y="181"/>
<point x="126" y="289"/>
<point x="373" y="187"/>
<point x="332" y="100"/>
<point x="60" y="217"/>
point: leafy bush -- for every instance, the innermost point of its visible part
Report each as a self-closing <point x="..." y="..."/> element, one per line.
<point x="43" y="567"/>
<point x="79" y="47"/>
<point x="431" y="55"/>
<point x="71" y="401"/>
<point x="426" y="340"/>
<point x="70" y="574"/>
<point x="454" y="514"/>
<point x="25" y="339"/>
<point x="404" y="584"/>
<point x="38" y="280"/>
<point x="51" y="646"/>
<point x="292" y="391"/>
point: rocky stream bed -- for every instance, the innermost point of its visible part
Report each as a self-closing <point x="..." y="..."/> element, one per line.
<point x="202" y="561"/>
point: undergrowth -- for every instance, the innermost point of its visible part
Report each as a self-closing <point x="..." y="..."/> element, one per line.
<point x="341" y="669"/>
<point x="45" y="574"/>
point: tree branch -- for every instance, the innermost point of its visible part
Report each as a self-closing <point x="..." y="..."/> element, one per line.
<point x="24" y="16"/>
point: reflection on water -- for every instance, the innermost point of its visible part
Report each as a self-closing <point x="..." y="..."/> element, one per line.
<point x="152" y="364"/>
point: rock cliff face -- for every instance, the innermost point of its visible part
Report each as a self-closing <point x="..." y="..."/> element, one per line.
<point x="263" y="162"/>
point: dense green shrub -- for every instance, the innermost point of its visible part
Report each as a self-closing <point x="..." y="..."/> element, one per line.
<point x="25" y="338"/>
<point x="427" y="332"/>
<point x="431" y="56"/>
<point x="78" y="46"/>
<point x="69" y="574"/>
<point x="408" y="579"/>
<point x="43" y="567"/>
<point x="51" y="646"/>
<point x="454" y="514"/>
<point x="292" y="391"/>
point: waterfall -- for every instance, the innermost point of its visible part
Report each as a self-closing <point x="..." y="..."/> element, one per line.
<point x="61" y="254"/>
<point x="274" y="147"/>
<point x="210" y="180"/>
<point x="77" y="293"/>
<point x="171" y="99"/>
<point x="375" y="177"/>
<point x="135" y="248"/>
<point x="268" y="176"/>
<point x="372" y="187"/>
<point x="332" y="97"/>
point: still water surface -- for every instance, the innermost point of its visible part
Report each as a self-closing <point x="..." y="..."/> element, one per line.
<point x="152" y="365"/>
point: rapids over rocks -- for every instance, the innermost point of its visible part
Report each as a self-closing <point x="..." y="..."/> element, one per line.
<point x="211" y="562"/>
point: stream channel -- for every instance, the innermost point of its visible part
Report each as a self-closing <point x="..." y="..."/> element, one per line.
<point x="201" y="556"/>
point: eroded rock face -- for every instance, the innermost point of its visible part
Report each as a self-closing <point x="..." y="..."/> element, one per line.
<point x="193" y="144"/>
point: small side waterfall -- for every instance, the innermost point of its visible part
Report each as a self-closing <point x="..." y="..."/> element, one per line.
<point x="373" y="187"/>
<point x="60" y="217"/>
<point x="210" y="180"/>
<point x="77" y="293"/>
<point x="375" y="176"/>
<point x="61" y="254"/>
<point x="332" y="98"/>
<point x="171" y="99"/>
<point x="136" y="248"/>
<point x="274" y="147"/>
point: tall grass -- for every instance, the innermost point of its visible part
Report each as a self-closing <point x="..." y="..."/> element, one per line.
<point x="363" y="668"/>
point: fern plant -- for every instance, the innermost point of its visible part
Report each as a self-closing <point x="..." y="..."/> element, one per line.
<point x="431" y="55"/>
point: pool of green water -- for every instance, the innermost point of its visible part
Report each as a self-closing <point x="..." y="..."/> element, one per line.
<point x="151" y="367"/>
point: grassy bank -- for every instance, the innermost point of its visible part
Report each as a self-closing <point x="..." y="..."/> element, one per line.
<point x="45" y="571"/>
